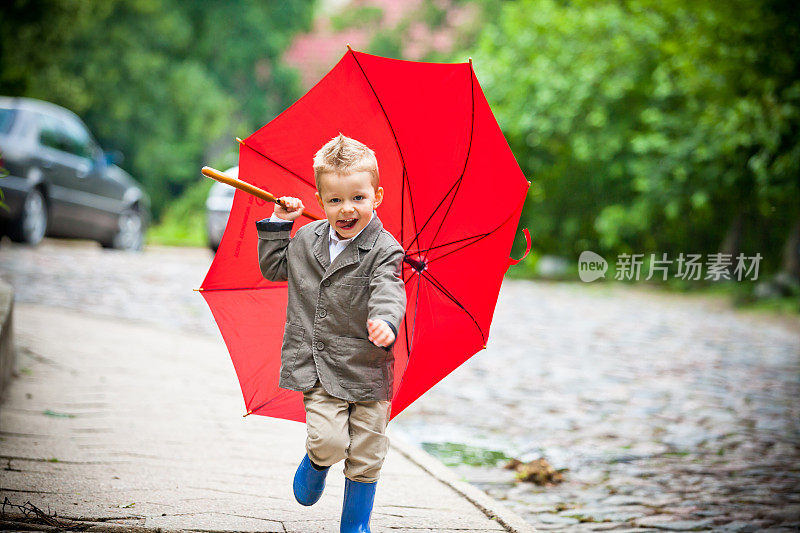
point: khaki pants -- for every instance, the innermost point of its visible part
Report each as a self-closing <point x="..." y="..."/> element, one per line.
<point x="353" y="431"/>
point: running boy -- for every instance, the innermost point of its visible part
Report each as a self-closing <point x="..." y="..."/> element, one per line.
<point x="346" y="301"/>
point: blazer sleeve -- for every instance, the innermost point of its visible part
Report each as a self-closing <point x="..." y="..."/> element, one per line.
<point x="273" y="243"/>
<point x="387" y="299"/>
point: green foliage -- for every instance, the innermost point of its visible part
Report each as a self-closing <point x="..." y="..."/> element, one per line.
<point x="160" y="80"/>
<point x="527" y="268"/>
<point x="183" y="223"/>
<point x="42" y="29"/>
<point x="362" y="16"/>
<point x="647" y="125"/>
<point x="387" y="44"/>
<point x="433" y="13"/>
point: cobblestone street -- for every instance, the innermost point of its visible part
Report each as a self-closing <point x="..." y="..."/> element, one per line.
<point x="662" y="412"/>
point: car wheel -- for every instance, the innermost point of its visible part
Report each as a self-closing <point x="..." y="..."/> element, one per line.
<point x="31" y="226"/>
<point x="129" y="234"/>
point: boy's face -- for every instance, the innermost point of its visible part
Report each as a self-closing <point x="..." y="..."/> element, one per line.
<point x="348" y="201"/>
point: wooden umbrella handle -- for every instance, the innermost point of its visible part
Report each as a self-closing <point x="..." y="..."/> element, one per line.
<point x="246" y="187"/>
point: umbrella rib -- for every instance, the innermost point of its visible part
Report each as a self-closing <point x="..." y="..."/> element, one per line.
<point x="479" y="238"/>
<point x="244" y="288"/>
<point x="407" y="185"/>
<point x="436" y="283"/>
<point x="280" y="394"/>
<point x="268" y="158"/>
<point x="416" y="237"/>
<point x="449" y="243"/>
<point x="399" y="151"/>
<point x="414" y="325"/>
<point x="457" y="184"/>
<point x="408" y="345"/>
<point x="476" y="237"/>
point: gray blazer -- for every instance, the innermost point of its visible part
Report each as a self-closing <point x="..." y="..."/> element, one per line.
<point x="326" y="316"/>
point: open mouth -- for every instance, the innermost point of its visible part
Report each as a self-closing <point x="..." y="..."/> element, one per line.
<point x="347" y="223"/>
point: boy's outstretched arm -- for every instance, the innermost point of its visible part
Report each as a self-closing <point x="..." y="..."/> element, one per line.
<point x="273" y="239"/>
<point x="387" y="300"/>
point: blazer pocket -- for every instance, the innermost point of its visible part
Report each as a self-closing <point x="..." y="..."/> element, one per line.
<point x="356" y="296"/>
<point x="293" y="338"/>
<point x="359" y="362"/>
<point x="355" y="280"/>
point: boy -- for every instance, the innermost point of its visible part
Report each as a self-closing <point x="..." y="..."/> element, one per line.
<point x="346" y="301"/>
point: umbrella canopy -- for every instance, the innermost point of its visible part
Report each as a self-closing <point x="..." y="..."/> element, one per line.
<point x="453" y="198"/>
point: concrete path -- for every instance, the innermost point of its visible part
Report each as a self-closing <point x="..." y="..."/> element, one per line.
<point x="127" y="426"/>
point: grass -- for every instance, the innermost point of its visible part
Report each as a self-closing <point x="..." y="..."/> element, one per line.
<point x="183" y="223"/>
<point x="737" y="294"/>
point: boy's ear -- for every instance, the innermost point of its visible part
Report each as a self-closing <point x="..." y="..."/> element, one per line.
<point x="378" y="198"/>
<point x="319" y="200"/>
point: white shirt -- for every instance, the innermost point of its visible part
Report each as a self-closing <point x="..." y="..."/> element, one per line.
<point x="338" y="245"/>
<point x="335" y="244"/>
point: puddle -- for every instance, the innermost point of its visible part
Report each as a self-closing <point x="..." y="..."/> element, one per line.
<point x="455" y="454"/>
<point x="49" y="412"/>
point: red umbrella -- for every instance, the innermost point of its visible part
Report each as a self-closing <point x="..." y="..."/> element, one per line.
<point x="453" y="198"/>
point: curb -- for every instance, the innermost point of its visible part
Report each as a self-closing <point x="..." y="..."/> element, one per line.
<point x="7" y="354"/>
<point x="504" y="516"/>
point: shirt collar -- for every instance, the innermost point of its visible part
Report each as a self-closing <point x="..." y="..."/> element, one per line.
<point x="335" y="238"/>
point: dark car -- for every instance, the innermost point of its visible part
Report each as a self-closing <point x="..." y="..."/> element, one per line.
<point x="61" y="184"/>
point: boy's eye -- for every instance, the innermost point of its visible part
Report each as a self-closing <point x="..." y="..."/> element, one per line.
<point x="333" y="200"/>
<point x="358" y="198"/>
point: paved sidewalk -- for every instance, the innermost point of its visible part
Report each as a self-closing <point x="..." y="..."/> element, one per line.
<point x="131" y="427"/>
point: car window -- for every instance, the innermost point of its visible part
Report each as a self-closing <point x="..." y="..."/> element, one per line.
<point x="80" y="143"/>
<point x="6" y="119"/>
<point x="67" y="135"/>
<point x="51" y="133"/>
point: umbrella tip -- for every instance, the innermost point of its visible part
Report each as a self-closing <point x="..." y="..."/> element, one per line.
<point x="247" y="413"/>
<point x="198" y="290"/>
<point x="238" y="140"/>
<point x="484" y="346"/>
<point x="349" y="47"/>
<point x="470" y="60"/>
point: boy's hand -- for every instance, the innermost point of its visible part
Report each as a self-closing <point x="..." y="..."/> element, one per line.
<point x="293" y="209"/>
<point x="380" y="333"/>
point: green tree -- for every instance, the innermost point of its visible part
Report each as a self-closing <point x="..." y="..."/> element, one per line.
<point x="161" y="80"/>
<point x="650" y="126"/>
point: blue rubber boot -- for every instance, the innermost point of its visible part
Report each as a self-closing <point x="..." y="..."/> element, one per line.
<point x="357" y="507"/>
<point x="308" y="482"/>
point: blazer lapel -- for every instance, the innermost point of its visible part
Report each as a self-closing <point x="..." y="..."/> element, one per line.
<point x="321" y="250"/>
<point x="346" y="257"/>
<point x="366" y="240"/>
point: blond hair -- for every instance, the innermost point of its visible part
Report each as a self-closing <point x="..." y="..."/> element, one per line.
<point x="343" y="155"/>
